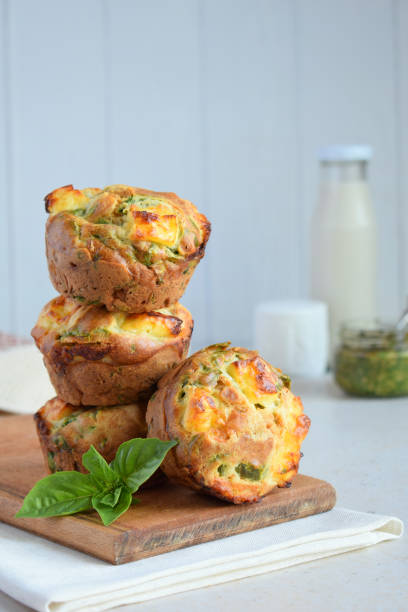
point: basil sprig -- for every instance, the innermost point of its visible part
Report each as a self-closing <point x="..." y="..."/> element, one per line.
<point x="108" y="488"/>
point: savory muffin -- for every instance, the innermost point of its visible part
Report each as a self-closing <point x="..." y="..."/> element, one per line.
<point x="127" y="248"/>
<point x="99" y="358"/>
<point x="66" y="432"/>
<point x="238" y="425"/>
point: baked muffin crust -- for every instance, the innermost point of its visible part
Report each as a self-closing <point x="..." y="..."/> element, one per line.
<point x="66" y="432"/>
<point x="238" y="425"/>
<point x="97" y="357"/>
<point x="127" y="248"/>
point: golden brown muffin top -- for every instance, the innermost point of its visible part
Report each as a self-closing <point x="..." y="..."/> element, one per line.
<point x="66" y="322"/>
<point x="151" y="226"/>
<point x="236" y="419"/>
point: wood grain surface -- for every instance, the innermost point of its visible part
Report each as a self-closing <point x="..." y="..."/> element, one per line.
<point x="168" y="517"/>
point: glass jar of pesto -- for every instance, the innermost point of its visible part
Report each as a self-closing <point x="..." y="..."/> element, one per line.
<point x="372" y="360"/>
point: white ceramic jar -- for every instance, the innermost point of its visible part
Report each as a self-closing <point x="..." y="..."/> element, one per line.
<point x="293" y="336"/>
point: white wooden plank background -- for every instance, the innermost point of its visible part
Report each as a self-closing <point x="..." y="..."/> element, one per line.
<point x="250" y="175"/>
<point x="7" y="291"/>
<point x="401" y="135"/>
<point x="224" y="102"/>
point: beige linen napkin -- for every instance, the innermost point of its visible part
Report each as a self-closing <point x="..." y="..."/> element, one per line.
<point x="24" y="382"/>
<point x="51" y="578"/>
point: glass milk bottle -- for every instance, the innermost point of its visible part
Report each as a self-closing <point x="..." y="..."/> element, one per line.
<point x="344" y="238"/>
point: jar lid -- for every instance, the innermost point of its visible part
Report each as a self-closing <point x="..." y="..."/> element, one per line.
<point x="345" y="153"/>
<point x="371" y="335"/>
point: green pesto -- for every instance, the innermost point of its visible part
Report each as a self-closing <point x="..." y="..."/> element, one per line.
<point x="101" y="331"/>
<point x="51" y="462"/>
<point x="286" y="381"/>
<point x="123" y="209"/>
<point x="89" y="211"/>
<point x="222" y="469"/>
<point x="103" y="443"/>
<point x="217" y="457"/>
<point x="247" y="471"/>
<point x="69" y="419"/>
<point x="73" y="333"/>
<point x="76" y="229"/>
<point x="77" y="333"/>
<point x="194" y="223"/>
<point x="82" y="431"/>
<point x="141" y="200"/>
<point x="60" y="442"/>
<point x="147" y="259"/>
<point x="376" y="372"/>
<point x="106" y="240"/>
<point x="78" y="212"/>
<point x="173" y="255"/>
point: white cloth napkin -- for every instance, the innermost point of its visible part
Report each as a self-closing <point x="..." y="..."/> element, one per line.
<point x="52" y="578"/>
<point x="24" y="382"/>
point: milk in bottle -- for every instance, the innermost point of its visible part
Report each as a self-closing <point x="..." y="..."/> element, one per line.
<point x="344" y="238"/>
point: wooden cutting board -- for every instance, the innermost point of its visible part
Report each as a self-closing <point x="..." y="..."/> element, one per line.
<point x="168" y="517"/>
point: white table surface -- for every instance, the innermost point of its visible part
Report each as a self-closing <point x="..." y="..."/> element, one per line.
<point x="361" y="447"/>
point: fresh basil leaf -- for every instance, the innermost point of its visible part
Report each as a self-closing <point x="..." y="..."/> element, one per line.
<point x="107" y="488"/>
<point x="111" y="498"/>
<point x="59" y="494"/>
<point x="136" y="460"/>
<point x="106" y="512"/>
<point x="98" y="468"/>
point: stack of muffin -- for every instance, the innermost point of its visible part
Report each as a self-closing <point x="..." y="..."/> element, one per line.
<point x="121" y="258"/>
